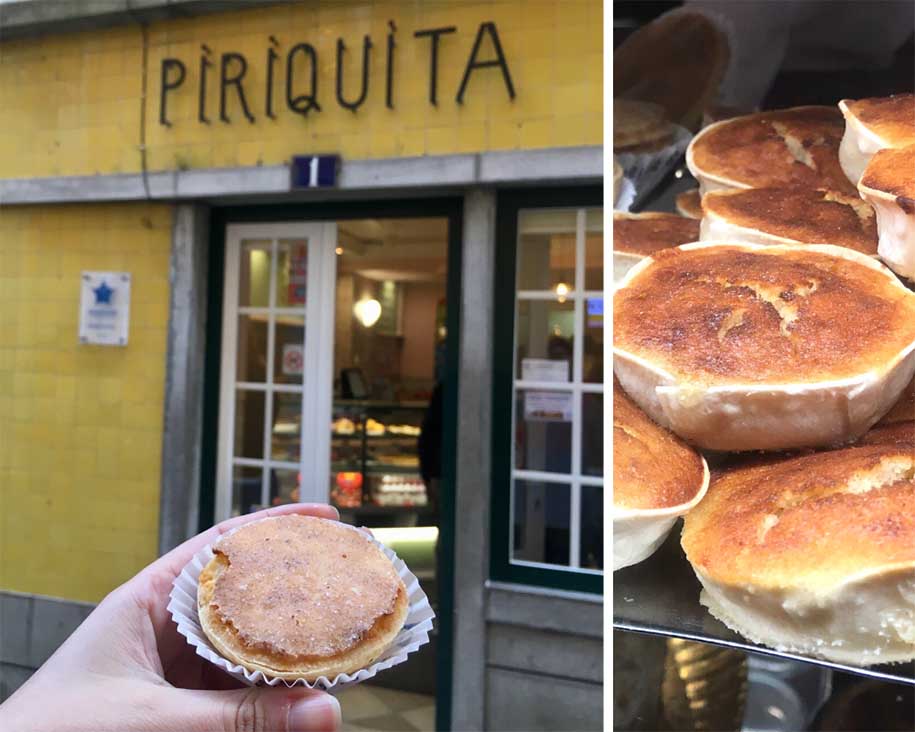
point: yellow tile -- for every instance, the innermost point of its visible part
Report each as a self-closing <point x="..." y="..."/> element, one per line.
<point x="536" y="133"/>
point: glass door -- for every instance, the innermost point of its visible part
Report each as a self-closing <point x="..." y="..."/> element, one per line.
<point x="278" y="322"/>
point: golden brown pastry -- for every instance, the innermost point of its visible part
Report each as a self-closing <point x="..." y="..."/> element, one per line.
<point x="656" y="478"/>
<point x="689" y="204"/>
<point x="874" y="124"/>
<point x="888" y="184"/>
<point x="639" y="126"/>
<point x="790" y="216"/>
<point x="300" y="597"/>
<point x="814" y="554"/>
<point x="676" y="61"/>
<point x="785" y="147"/>
<point x="639" y="235"/>
<point x="748" y="347"/>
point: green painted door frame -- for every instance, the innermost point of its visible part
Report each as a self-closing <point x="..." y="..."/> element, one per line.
<point x="450" y="208"/>
<point x="509" y="204"/>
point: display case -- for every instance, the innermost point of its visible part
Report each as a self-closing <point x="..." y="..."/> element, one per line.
<point x="375" y="471"/>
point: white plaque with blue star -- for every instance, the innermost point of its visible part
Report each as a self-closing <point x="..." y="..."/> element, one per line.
<point x="104" y="308"/>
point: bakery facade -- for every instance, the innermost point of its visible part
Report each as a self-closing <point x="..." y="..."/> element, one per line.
<point x="330" y="251"/>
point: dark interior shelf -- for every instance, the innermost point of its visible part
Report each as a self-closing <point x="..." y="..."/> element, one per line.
<point x="660" y="596"/>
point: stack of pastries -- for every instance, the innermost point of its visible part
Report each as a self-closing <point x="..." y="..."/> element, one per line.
<point x="783" y="339"/>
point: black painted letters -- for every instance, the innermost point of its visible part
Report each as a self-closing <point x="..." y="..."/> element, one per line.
<point x="434" y="34"/>
<point x="302" y="74"/>
<point x="167" y="86"/>
<point x="473" y="64"/>
<point x="303" y="103"/>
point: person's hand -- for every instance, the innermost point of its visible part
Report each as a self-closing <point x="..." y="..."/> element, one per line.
<point x="126" y="668"/>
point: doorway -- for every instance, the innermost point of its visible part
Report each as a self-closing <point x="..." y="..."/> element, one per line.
<point x="346" y="321"/>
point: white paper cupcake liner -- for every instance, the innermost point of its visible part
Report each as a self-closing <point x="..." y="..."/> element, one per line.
<point x="415" y="632"/>
<point x="646" y="170"/>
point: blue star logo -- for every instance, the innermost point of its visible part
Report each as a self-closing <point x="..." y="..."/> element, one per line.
<point x="103" y="294"/>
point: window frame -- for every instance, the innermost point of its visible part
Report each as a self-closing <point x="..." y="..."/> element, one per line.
<point x="502" y="569"/>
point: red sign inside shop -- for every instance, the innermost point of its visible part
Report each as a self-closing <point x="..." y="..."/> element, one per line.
<point x="298" y="274"/>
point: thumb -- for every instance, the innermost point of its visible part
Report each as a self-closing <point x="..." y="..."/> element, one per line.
<point x="257" y="709"/>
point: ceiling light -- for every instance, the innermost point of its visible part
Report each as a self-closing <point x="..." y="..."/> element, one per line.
<point x="367" y="311"/>
<point x="338" y="251"/>
<point x="562" y="289"/>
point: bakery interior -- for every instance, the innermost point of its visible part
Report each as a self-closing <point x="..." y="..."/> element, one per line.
<point x="389" y="340"/>
<point x="677" y="666"/>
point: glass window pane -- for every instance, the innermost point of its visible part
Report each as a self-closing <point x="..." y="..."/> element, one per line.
<point x="246" y="489"/>
<point x="546" y="250"/>
<point x="543" y="431"/>
<point x="251" y="346"/>
<point x="591" y="541"/>
<point x="285" y="442"/>
<point x="284" y="486"/>
<point x="541" y="522"/>
<point x="289" y="349"/>
<point x="546" y="330"/>
<point x="291" y="273"/>
<point x="249" y="424"/>
<point x="254" y="274"/>
<point x="592" y="434"/>
<point x="593" y="367"/>
<point x="594" y="251"/>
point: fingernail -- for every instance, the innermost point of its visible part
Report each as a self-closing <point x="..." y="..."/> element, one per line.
<point x="317" y="713"/>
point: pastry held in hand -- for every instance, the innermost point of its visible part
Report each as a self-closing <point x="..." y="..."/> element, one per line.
<point x="656" y="478"/>
<point x="747" y="347"/>
<point x="813" y="554"/>
<point x="300" y="597"/>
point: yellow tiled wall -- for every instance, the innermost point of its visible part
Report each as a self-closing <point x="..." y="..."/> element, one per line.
<point x="71" y="105"/>
<point x="80" y="426"/>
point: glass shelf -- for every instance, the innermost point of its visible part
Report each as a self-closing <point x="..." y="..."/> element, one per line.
<point x="660" y="596"/>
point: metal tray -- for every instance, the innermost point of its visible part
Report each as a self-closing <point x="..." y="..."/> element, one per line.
<point x="660" y="596"/>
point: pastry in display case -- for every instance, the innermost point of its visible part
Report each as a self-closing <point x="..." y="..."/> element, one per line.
<point x="798" y="563"/>
<point x="374" y="460"/>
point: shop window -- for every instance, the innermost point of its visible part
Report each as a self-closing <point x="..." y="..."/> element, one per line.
<point x="548" y="396"/>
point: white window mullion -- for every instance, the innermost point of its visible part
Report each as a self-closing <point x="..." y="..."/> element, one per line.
<point x="578" y="341"/>
<point x="268" y="393"/>
<point x="224" y="471"/>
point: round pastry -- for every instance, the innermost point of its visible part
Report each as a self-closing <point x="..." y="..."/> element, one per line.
<point x="747" y="347"/>
<point x="678" y="61"/>
<point x="789" y="216"/>
<point x="872" y="125"/>
<point x="888" y="184"/>
<point x="300" y="597"/>
<point x="636" y="236"/>
<point x="904" y="409"/>
<point x="689" y="204"/>
<point x="813" y="554"/>
<point x="786" y="147"/>
<point x="656" y="478"/>
<point x="899" y="432"/>
<point x="639" y="126"/>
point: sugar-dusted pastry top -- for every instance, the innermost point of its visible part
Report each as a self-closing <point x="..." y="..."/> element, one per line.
<point x="738" y="314"/>
<point x="800" y="214"/>
<point x="302" y="587"/>
<point x="652" y="467"/>
<point x="892" y="171"/>
<point x="811" y="521"/>
<point x="891" y="118"/>
<point x="646" y="233"/>
<point x="787" y="147"/>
